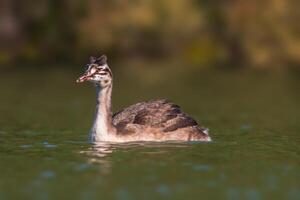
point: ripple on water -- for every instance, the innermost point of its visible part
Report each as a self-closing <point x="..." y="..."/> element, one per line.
<point x="26" y="146"/>
<point x="163" y="189"/>
<point x="243" y="193"/>
<point x="50" y="146"/>
<point x="151" y="178"/>
<point x="245" y="127"/>
<point x="82" y="167"/>
<point x="47" y="174"/>
<point x="294" y="193"/>
<point x="203" y="168"/>
<point x="200" y="167"/>
<point x="252" y="194"/>
<point x="271" y="182"/>
<point x="123" y="194"/>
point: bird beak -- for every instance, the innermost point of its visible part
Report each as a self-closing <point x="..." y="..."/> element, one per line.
<point x="82" y="78"/>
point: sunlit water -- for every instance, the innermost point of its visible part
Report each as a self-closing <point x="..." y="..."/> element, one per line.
<point x="254" y="119"/>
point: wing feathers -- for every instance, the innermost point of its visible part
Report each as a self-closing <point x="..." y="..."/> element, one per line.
<point x="156" y="113"/>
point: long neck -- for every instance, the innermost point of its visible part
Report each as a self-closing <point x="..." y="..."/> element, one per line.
<point x="103" y="127"/>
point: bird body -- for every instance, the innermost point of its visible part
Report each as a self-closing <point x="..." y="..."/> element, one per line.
<point x="158" y="120"/>
<point x="155" y="120"/>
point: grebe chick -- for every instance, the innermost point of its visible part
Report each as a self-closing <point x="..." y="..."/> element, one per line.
<point x="155" y="120"/>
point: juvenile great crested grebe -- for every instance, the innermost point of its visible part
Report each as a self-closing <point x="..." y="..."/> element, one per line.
<point x="155" y="120"/>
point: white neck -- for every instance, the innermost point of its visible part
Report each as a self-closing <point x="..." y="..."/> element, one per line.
<point x="103" y="128"/>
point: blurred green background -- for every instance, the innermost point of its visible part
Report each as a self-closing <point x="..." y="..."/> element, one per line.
<point x="202" y="33"/>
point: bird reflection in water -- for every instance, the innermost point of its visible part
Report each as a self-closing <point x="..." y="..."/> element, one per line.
<point x="99" y="152"/>
<point x="98" y="155"/>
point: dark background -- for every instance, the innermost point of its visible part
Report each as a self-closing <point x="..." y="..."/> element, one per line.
<point x="260" y="34"/>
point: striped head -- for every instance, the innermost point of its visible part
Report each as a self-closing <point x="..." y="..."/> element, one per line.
<point x="98" y="72"/>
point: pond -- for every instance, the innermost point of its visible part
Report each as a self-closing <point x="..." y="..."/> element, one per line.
<point x="254" y="121"/>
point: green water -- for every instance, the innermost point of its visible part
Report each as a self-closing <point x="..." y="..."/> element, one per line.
<point x="254" y="120"/>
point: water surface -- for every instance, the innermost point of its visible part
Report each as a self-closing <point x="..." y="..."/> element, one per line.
<point x="253" y="119"/>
